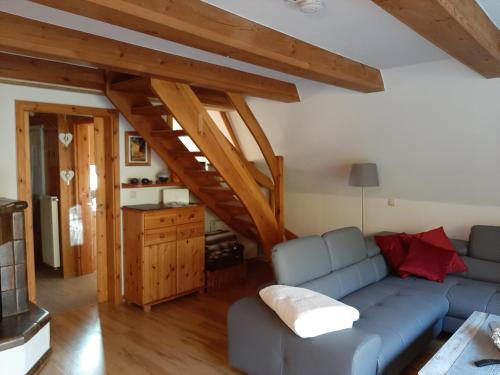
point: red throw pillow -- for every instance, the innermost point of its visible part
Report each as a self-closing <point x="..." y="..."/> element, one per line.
<point x="393" y="250"/>
<point x="437" y="237"/>
<point x="427" y="260"/>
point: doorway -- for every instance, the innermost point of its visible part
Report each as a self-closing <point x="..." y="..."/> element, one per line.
<point x="68" y="172"/>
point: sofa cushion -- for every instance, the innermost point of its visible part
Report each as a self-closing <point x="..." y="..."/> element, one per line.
<point x="398" y="312"/>
<point x="426" y="260"/>
<point x="482" y="270"/>
<point x="394" y="252"/>
<point x="467" y="296"/>
<point x="437" y="237"/>
<point x="301" y="260"/>
<point x="346" y="247"/>
<point x="484" y="242"/>
<point x="338" y="284"/>
<point x="372" y="248"/>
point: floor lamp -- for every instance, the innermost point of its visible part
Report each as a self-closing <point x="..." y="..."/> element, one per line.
<point x="363" y="175"/>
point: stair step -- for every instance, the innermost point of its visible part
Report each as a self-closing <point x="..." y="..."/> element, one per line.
<point x="243" y="224"/>
<point x="220" y="194"/>
<point x="202" y="172"/>
<point x="167" y="133"/>
<point x="210" y="98"/>
<point x="183" y="153"/>
<point x="233" y="209"/>
<point x="136" y="84"/>
<point x="150" y="110"/>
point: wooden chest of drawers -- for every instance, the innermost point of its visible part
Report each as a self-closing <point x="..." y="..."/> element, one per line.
<point x="164" y="253"/>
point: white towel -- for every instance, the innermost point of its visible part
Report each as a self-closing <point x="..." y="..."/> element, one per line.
<point x="308" y="313"/>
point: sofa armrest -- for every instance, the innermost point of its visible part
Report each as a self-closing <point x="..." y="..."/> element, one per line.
<point x="261" y="344"/>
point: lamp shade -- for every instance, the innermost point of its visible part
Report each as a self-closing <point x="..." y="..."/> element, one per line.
<point x="364" y="174"/>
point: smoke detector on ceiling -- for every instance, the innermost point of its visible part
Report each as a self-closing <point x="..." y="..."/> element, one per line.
<point x="308" y="6"/>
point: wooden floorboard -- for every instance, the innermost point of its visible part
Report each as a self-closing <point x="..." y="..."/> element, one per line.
<point x="185" y="336"/>
<point x="57" y="295"/>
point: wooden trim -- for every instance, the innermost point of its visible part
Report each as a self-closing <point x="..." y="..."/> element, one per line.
<point x="253" y="125"/>
<point x="203" y="26"/>
<point x="113" y="213"/>
<point x="279" y="196"/>
<point x="24" y="192"/>
<point x="112" y="177"/>
<point x="38" y="39"/>
<point x="100" y="215"/>
<point x="129" y="163"/>
<point x="459" y="27"/>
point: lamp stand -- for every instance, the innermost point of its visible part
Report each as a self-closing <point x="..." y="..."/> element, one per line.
<point x="363" y="210"/>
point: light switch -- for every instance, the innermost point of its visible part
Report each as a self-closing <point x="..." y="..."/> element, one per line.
<point x="132" y="194"/>
<point x="391" y="202"/>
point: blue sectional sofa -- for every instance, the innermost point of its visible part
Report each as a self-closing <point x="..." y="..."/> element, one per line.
<point x="399" y="317"/>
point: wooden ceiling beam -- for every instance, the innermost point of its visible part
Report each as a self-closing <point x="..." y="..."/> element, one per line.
<point x="50" y="72"/>
<point x="459" y="27"/>
<point x="201" y="25"/>
<point x="34" y="38"/>
<point x="29" y="69"/>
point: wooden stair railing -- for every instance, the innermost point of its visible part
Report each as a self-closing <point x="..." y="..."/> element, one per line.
<point x="233" y="191"/>
<point x="189" y="112"/>
<point x="274" y="163"/>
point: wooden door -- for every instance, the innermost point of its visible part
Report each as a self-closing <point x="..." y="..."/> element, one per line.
<point x="159" y="268"/>
<point x="190" y="261"/>
<point x="84" y="159"/>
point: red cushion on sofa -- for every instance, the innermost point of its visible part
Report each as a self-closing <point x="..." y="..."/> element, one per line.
<point x="426" y="260"/>
<point x="393" y="250"/>
<point x="437" y="237"/>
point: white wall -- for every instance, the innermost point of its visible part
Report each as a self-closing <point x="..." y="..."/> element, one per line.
<point x="434" y="133"/>
<point x="308" y="214"/>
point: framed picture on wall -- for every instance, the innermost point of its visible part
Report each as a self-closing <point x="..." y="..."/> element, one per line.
<point x="137" y="152"/>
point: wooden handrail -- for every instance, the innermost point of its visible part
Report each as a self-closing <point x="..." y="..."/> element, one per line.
<point x="254" y="127"/>
<point x="275" y="163"/>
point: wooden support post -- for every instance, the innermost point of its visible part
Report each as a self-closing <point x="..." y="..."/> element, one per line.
<point x="279" y="197"/>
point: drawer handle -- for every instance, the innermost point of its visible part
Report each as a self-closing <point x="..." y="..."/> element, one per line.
<point x="162" y="236"/>
<point x="162" y="220"/>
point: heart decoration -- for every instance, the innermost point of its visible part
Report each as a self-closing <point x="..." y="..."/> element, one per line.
<point x="67" y="176"/>
<point x="65" y="139"/>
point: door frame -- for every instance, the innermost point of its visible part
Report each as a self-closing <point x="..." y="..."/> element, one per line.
<point x="108" y="277"/>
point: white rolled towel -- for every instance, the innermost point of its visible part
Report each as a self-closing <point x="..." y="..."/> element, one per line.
<point x="308" y="313"/>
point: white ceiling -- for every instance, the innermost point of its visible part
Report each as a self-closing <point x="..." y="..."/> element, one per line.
<point x="358" y="29"/>
<point x="492" y="9"/>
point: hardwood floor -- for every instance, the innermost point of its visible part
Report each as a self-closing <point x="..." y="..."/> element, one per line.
<point x="57" y="295"/>
<point x="185" y="336"/>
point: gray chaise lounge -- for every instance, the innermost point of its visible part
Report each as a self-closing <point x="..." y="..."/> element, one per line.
<point x="399" y="317"/>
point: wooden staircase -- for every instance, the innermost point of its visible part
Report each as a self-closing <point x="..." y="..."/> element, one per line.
<point x="246" y="199"/>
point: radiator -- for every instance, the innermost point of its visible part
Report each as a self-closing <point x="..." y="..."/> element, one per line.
<point x="49" y="219"/>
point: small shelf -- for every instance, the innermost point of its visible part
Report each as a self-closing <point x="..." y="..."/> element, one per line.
<point x="141" y="186"/>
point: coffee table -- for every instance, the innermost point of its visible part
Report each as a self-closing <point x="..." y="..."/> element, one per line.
<point x="470" y="343"/>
